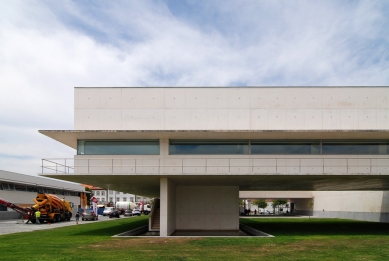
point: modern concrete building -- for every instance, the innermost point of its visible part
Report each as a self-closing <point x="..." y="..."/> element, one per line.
<point x="201" y="149"/>
<point x="21" y="190"/>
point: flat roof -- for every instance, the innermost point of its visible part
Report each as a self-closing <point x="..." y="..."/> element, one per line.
<point x="12" y="177"/>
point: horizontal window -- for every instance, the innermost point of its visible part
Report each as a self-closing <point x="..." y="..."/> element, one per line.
<point x="258" y="147"/>
<point x="20" y="187"/>
<point x="118" y="147"/>
<point x="269" y="147"/>
<point x="353" y="148"/>
<point x="208" y="147"/>
<point x="42" y="190"/>
<point x="32" y="189"/>
<point x="7" y="186"/>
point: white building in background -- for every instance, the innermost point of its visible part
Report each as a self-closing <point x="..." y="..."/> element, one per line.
<point x="21" y="189"/>
<point x="201" y="149"/>
<point x="108" y="197"/>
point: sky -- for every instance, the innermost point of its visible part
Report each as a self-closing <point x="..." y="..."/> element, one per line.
<point x="49" y="47"/>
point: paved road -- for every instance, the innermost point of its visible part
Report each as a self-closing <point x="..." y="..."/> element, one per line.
<point x="16" y="225"/>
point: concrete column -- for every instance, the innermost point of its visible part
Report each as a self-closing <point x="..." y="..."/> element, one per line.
<point x="167" y="207"/>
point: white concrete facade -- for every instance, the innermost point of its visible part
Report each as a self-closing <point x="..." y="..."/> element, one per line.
<point x="275" y="108"/>
<point x="244" y="113"/>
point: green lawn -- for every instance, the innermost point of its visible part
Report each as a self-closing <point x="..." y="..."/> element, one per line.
<point x="296" y="239"/>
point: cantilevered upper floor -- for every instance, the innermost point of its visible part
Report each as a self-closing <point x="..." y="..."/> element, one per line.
<point x="188" y="133"/>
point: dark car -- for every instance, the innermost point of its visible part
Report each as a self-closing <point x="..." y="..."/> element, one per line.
<point x="88" y="214"/>
<point x="114" y="213"/>
<point x="128" y="212"/>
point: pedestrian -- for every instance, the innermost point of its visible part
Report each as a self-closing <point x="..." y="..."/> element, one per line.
<point x="255" y="211"/>
<point x="77" y="217"/>
<point x="37" y="217"/>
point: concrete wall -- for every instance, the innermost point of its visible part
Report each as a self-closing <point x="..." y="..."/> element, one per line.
<point x="5" y="215"/>
<point x="207" y="208"/>
<point x="243" y="108"/>
<point x="363" y="216"/>
<point x="358" y="205"/>
<point x="350" y="201"/>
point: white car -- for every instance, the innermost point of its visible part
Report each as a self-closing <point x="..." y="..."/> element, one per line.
<point x="136" y="212"/>
<point x="107" y="210"/>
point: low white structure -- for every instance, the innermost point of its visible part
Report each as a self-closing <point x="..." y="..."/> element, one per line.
<point x="197" y="148"/>
<point x="21" y="189"/>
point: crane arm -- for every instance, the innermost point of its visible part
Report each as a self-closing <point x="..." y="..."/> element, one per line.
<point x="17" y="208"/>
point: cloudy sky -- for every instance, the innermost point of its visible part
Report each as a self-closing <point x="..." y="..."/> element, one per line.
<point x="49" y="47"/>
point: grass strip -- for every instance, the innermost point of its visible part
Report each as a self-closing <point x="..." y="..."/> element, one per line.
<point x="296" y="239"/>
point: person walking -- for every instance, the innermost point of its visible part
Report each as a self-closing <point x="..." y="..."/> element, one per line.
<point x="37" y="217"/>
<point x="77" y="217"/>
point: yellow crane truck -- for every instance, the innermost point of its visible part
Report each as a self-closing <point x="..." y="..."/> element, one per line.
<point x="52" y="208"/>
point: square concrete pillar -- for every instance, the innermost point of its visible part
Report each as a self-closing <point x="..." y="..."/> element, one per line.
<point x="167" y="207"/>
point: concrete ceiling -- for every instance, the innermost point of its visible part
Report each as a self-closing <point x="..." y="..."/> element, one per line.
<point x="148" y="185"/>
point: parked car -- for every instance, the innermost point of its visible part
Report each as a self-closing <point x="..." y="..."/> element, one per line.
<point x="88" y="214"/>
<point x="114" y="213"/>
<point x="107" y="210"/>
<point x="136" y="212"/>
<point x="128" y="212"/>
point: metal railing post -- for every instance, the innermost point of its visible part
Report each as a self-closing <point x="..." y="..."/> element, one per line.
<point x="229" y="166"/>
<point x="300" y="166"/>
<point x="276" y="166"/>
<point x="206" y="166"/>
<point x="371" y="166"/>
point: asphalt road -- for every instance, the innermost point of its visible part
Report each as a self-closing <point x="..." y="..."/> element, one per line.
<point x="16" y="225"/>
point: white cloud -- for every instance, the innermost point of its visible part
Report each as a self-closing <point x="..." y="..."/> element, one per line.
<point x="47" y="48"/>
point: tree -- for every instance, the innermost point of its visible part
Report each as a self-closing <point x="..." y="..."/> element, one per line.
<point x="88" y="195"/>
<point x="277" y="203"/>
<point x="260" y="203"/>
<point x="310" y="206"/>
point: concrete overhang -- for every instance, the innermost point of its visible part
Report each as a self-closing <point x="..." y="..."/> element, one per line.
<point x="149" y="185"/>
<point x="70" y="137"/>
